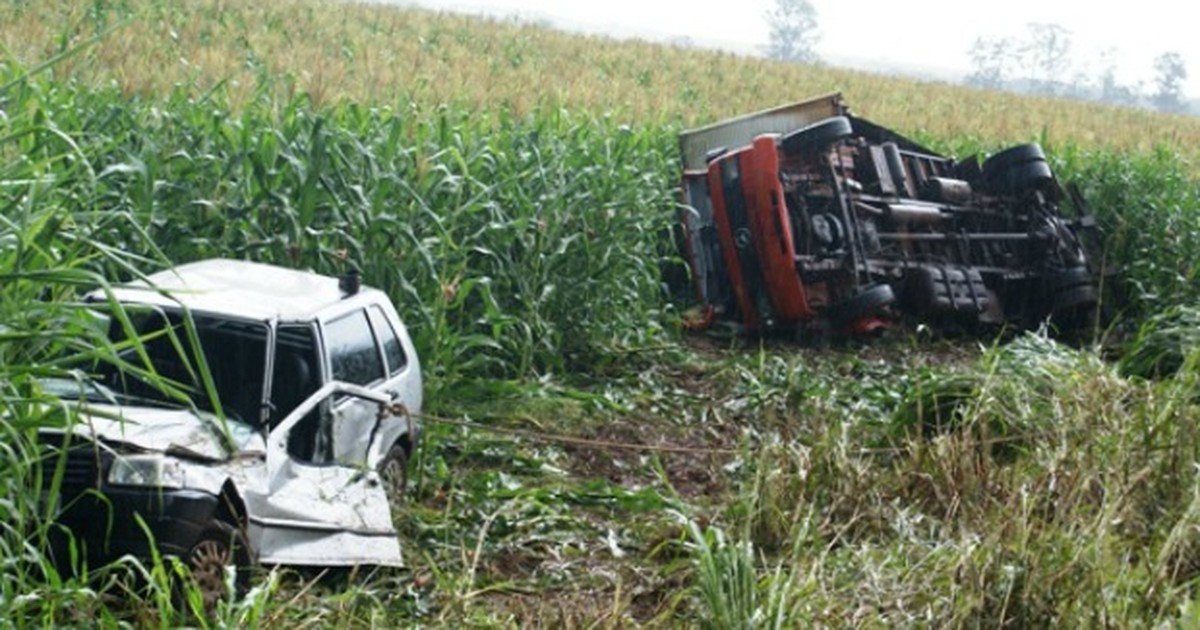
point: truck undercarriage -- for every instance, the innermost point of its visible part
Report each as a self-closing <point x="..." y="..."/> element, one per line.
<point x="807" y="217"/>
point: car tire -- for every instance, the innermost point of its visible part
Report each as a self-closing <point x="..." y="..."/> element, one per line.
<point x="817" y="136"/>
<point x="865" y="304"/>
<point x="393" y="474"/>
<point x="219" y="547"/>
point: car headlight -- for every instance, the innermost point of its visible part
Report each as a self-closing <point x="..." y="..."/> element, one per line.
<point x="155" y="471"/>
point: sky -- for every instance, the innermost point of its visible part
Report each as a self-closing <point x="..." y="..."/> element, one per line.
<point x="926" y="36"/>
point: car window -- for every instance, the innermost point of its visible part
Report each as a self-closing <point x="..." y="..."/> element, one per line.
<point x="393" y="350"/>
<point x="353" y="354"/>
<point x="235" y="352"/>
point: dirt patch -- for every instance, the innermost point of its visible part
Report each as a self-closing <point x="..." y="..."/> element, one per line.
<point x="620" y="598"/>
<point x="691" y="475"/>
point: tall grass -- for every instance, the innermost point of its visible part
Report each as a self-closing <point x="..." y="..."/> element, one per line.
<point x="1062" y="494"/>
<point x="336" y="113"/>
<point x="48" y="256"/>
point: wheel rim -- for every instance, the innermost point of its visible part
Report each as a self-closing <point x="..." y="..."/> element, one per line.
<point x="394" y="479"/>
<point x="209" y="560"/>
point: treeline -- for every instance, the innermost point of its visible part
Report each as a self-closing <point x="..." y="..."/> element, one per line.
<point x="1040" y="62"/>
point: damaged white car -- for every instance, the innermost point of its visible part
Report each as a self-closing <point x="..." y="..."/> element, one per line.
<point x="258" y="414"/>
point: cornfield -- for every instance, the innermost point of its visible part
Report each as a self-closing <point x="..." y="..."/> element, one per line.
<point x="336" y="52"/>
<point x="512" y="188"/>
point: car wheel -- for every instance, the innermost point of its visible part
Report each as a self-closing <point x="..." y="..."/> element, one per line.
<point x="393" y="472"/>
<point x="219" y="548"/>
<point x="817" y="136"/>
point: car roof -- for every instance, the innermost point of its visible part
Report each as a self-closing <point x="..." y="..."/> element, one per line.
<point x="237" y="288"/>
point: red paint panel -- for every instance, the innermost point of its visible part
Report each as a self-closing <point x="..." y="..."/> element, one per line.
<point x="729" y="249"/>
<point x="773" y="232"/>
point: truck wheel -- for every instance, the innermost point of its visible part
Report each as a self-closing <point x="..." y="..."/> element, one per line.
<point x="817" y="136"/>
<point x="1016" y="170"/>
<point x="1071" y="299"/>
<point x="1070" y="289"/>
<point x="393" y="472"/>
<point x="1026" y="176"/>
<point x="865" y="304"/>
<point x="1013" y="156"/>
<point x="1069" y="278"/>
<point x="219" y="547"/>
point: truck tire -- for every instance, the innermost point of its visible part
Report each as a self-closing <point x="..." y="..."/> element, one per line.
<point x="1071" y="289"/>
<point x="1027" y="176"/>
<point x="817" y="136"/>
<point x="1017" y="170"/>
<point x="1012" y="156"/>
<point x="1069" y="278"/>
<point x="865" y="304"/>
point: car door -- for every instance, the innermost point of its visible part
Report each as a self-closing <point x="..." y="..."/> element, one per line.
<point x="354" y="357"/>
<point x="331" y="514"/>
<point x="402" y="382"/>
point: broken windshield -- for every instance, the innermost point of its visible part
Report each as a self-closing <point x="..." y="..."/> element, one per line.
<point x="236" y="358"/>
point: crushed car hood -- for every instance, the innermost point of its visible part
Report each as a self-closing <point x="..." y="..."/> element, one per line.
<point x="180" y="431"/>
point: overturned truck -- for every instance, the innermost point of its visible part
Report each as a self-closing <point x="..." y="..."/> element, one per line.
<point x="809" y="218"/>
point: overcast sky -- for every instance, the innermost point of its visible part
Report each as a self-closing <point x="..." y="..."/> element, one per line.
<point x="926" y="35"/>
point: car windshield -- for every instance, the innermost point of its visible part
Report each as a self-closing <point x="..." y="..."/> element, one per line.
<point x="82" y="389"/>
<point x="236" y="357"/>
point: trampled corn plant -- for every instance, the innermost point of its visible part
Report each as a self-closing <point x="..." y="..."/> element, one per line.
<point x="1016" y="390"/>
<point x="1163" y="343"/>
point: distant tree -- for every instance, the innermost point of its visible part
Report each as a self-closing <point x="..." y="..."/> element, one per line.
<point x="1080" y="86"/>
<point x="1110" y="90"/>
<point x="793" y="31"/>
<point x="1170" y="71"/>
<point x="991" y="62"/>
<point x="1048" y="54"/>
<point x="683" y="41"/>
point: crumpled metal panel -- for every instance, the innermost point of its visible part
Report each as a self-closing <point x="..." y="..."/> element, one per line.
<point x="168" y="430"/>
<point x="282" y="545"/>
